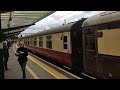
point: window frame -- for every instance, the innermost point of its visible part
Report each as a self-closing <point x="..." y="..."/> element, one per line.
<point x="35" y="41"/>
<point x="40" y="40"/>
<point x="49" y="41"/>
<point x="65" y="43"/>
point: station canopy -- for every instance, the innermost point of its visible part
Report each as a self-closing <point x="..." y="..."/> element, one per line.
<point x="14" y="22"/>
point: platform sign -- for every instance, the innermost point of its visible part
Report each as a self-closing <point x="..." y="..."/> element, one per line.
<point x="1" y="52"/>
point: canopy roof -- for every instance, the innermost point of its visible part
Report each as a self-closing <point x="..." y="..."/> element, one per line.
<point x="14" y="22"/>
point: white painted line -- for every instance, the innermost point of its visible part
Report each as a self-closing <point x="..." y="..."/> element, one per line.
<point x="88" y="75"/>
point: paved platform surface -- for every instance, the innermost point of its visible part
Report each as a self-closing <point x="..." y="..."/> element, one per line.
<point x="35" y="68"/>
<point x="15" y="69"/>
<point x="33" y="71"/>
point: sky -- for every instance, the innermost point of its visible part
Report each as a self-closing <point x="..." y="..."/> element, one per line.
<point x="57" y="19"/>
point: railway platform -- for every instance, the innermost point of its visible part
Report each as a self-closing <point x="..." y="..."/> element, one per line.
<point x="14" y="71"/>
<point x="35" y="69"/>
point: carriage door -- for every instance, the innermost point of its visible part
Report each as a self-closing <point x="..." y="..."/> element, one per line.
<point x="89" y="50"/>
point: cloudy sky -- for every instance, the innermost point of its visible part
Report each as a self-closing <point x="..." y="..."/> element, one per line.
<point x="57" y="19"/>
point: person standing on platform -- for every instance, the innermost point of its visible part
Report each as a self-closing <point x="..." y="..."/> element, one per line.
<point x="5" y="54"/>
<point x="8" y="43"/>
<point x="22" y="54"/>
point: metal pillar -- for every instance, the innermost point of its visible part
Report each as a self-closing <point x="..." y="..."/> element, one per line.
<point x="1" y="52"/>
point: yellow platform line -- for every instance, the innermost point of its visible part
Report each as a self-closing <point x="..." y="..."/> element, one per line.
<point x="42" y="66"/>
<point x="47" y="68"/>
<point x="28" y="68"/>
<point x="32" y="73"/>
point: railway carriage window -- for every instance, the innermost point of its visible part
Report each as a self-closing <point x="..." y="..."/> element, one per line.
<point x="28" y="41"/>
<point x="89" y="42"/>
<point x="35" y="42"/>
<point x="65" y="39"/>
<point x="32" y="41"/>
<point x="65" y="46"/>
<point x="49" y="42"/>
<point x="65" y="42"/>
<point x="41" y="41"/>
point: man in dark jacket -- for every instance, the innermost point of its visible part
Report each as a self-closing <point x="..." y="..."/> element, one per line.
<point x="22" y="54"/>
<point x="8" y="43"/>
<point x="5" y="54"/>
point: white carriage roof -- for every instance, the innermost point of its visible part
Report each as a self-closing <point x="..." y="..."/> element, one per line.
<point x="14" y="22"/>
<point x="62" y="28"/>
<point x="104" y="17"/>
